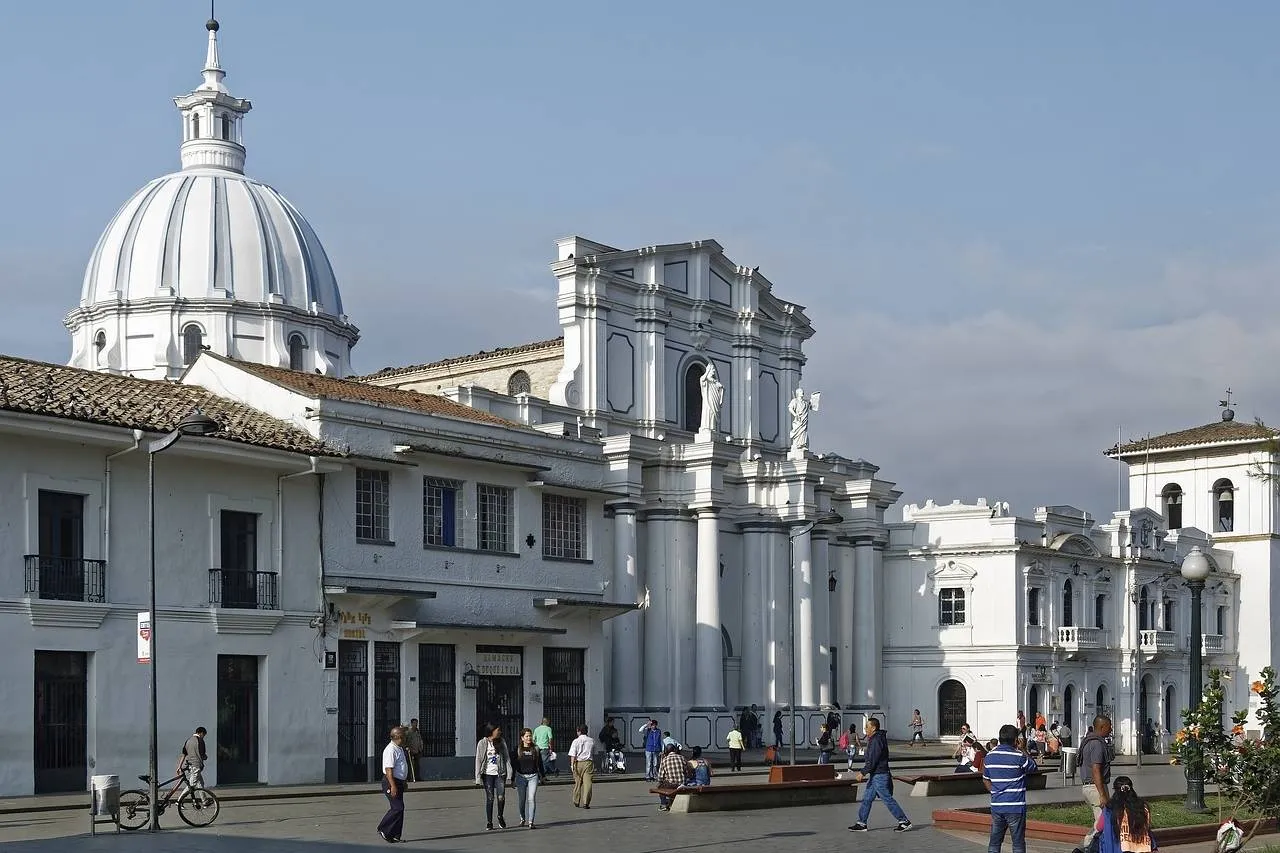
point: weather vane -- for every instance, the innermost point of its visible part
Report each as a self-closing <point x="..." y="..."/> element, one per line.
<point x="1227" y="412"/>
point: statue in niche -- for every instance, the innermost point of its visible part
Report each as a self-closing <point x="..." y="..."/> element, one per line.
<point x="799" y="408"/>
<point x="712" y="399"/>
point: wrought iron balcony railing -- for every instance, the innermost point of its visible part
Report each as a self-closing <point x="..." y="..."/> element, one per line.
<point x="65" y="578"/>
<point x="244" y="590"/>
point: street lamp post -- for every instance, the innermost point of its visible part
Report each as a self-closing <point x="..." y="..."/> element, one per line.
<point x="800" y="530"/>
<point x="1195" y="569"/>
<point x="196" y="423"/>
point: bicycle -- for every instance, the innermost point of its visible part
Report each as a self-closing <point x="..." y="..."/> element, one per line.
<point x="197" y="806"/>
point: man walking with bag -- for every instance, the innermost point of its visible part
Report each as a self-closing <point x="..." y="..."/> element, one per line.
<point x="879" y="780"/>
<point x="1095" y="774"/>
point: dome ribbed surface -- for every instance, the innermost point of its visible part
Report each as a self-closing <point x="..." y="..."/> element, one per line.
<point x="211" y="233"/>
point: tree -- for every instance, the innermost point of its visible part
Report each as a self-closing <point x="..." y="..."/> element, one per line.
<point x="1246" y="771"/>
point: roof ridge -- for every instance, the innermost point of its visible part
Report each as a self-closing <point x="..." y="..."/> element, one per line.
<point x="462" y="359"/>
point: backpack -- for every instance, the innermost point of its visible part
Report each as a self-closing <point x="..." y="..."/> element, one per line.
<point x="844" y="740"/>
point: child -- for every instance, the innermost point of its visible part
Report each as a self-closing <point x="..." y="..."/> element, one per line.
<point x="1125" y="825"/>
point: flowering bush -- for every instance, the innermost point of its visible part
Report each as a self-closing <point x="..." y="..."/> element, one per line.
<point x="1247" y="772"/>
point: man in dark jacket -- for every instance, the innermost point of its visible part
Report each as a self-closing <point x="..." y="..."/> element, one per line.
<point x="879" y="781"/>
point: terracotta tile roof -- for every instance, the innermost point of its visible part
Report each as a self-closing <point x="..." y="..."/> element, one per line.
<point x="1219" y="431"/>
<point x="327" y="387"/>
<point x="55" y="391"/>
<point x="463" y="359"/>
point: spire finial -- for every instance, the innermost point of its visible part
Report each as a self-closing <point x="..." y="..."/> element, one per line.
<point x="213" y="73"/>
<point x="1228" y="414"/>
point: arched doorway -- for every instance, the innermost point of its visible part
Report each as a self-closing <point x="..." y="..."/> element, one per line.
<point x="953" y="707"/>
<point x="1101" y="703"/>
<point x="1033" y="704"/>
<point x="693" y="395"/>
<point x="1069" y="707"/>
<point x="1172" y="719"/>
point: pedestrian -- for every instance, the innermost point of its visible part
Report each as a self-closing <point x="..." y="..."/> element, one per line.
<point x="777" y="730"/>
<point x="754" y="739"/>
<point x="493" y="770"/>
<point x="826" y="746"/>
<point x="395" y="776"/>
<point x="699" y="769"/>
<point x="1064" y="734"/>
<point x="879" y="780"/>
<point x="652" y="750"/>
<point x="413" y="743"/>
<point x="734" y="739"/>
<point x="1005" y="776"/>
<point x="1022" y="724"/>
<point x="526" y="768"/>
<point x="194" y="755"/>
<point x="667" y="740"/>
<point x="746" y="725"/>
<point x="849" y="743"/>
<point x="917" y="728"/>
<point x="1126" y="823"/>
<point x="1095" y="773"/>
<point x="671" y="771"/>
<point x="582" y="767"/>
<point x="544" y="739"/>
<point x="609" y="743"/>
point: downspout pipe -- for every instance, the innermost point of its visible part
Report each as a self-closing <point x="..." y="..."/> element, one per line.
<point x="313" y="466"/>
<point x="106" y="499"/>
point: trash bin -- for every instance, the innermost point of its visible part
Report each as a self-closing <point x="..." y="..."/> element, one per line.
<point x="1070" y="762"/>
<point x="106" y="795"/>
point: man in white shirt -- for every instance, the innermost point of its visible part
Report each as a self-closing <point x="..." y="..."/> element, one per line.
<point x="584" y="770"/>
<point x="395" y="773"/>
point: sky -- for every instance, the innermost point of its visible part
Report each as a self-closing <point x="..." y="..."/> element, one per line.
<point x="1021" y="230"/>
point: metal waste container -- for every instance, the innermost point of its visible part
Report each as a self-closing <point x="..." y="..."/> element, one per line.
<point x="106" y="795"/>
<point x="1070" y="762"/>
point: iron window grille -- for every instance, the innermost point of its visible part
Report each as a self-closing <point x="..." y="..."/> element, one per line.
<point x="493" y="505"/>
<point x="951" y="606"/>
<point x="562" y="526"/>
<point x="373" y="505"/>
<point x="440" y="511"/>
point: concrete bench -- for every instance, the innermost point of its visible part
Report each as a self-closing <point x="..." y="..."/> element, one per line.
<point x="950" y="784"/>
<point x="772" y="795"/>
<point x="801" y="773"/>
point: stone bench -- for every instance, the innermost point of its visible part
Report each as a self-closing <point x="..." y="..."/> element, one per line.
<point x="951" y="784"/>
<point x="770" y="795"/>
<point x="801" y="773"/>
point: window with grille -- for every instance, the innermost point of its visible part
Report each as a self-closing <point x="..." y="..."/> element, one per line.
<point x="951" y="606"/>
<point x="493" y="516"/>
<point x="373" y="505"/>
<point x="440" y="504"/>
<point x="562" y="519"/>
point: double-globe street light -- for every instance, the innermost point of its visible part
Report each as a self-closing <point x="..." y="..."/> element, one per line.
<point x="1195" y="570"/>
<point x="799" y="530"/>
<point x="197" y="424"/>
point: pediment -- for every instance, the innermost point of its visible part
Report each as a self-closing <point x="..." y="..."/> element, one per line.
<point x="952" y="573"/>
<point x="1074" y="543"/>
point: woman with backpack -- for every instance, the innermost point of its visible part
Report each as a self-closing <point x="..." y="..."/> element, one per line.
<point x="1125" y="824"/>
<point x="849" y="744"/>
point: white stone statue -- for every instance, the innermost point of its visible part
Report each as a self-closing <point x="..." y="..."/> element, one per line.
<point x="800" y="408"/>
<point x="712" y="399"/>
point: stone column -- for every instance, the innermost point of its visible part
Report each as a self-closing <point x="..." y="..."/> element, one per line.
<point x="802" y="635"/>
<point x="628" y="664"/>
<point x="658" y="622"/>
<point x="755" y="601"/>
<point x="842" y="635"/>
<point x="821" y="617"/>
<point x="865" y="625"/>
<point x="708" y="643"/>
<point x="780" y="615"/>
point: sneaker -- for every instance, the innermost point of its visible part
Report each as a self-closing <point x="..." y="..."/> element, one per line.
<point x="523" y="822"/>
<point x="384" y="836"/>
<point x="858" y="827"/>
<point x="531" y="826"/>
<point x="488" y="827"/>
<point x="903" y="826"/>
<point x="502" y="824"/>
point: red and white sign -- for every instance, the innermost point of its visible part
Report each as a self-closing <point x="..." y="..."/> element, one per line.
<point x="144" y="637"/>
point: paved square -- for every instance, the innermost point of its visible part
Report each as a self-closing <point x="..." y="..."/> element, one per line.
<point x="623" y="819"/>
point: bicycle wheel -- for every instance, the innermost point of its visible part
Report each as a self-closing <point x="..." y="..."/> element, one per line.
<point x="135" y="809"/>
<point x="198" y="807"/>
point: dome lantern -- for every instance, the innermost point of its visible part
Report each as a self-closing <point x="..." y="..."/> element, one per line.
<point x="212" y="117"/>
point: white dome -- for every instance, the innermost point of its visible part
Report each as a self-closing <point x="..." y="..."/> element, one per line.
<point x="211" y="233"/>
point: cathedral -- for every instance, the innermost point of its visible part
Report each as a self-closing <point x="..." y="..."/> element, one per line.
<point x="625" y="520"/>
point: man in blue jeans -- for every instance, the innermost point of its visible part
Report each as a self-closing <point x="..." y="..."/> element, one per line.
<point x="652" y="750"/>
<point x="1005" y="775"/>
<point x="875" y="772"/>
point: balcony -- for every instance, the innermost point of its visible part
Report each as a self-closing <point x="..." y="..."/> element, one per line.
<point x="1075" y="639"/>
<point x="1214" y="644"/>
<point x="243" y="590"/>
<point x="1158" y="642"/>
<point x="66" y="579"/>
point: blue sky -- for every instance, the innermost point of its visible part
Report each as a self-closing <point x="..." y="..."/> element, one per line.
<point x="1016" y="226"/>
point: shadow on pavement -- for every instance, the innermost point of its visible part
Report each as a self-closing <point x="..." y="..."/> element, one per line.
<point x="179" y="841"/>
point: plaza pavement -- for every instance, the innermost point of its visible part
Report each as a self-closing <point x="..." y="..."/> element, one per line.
<point x="623" y="819"/>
